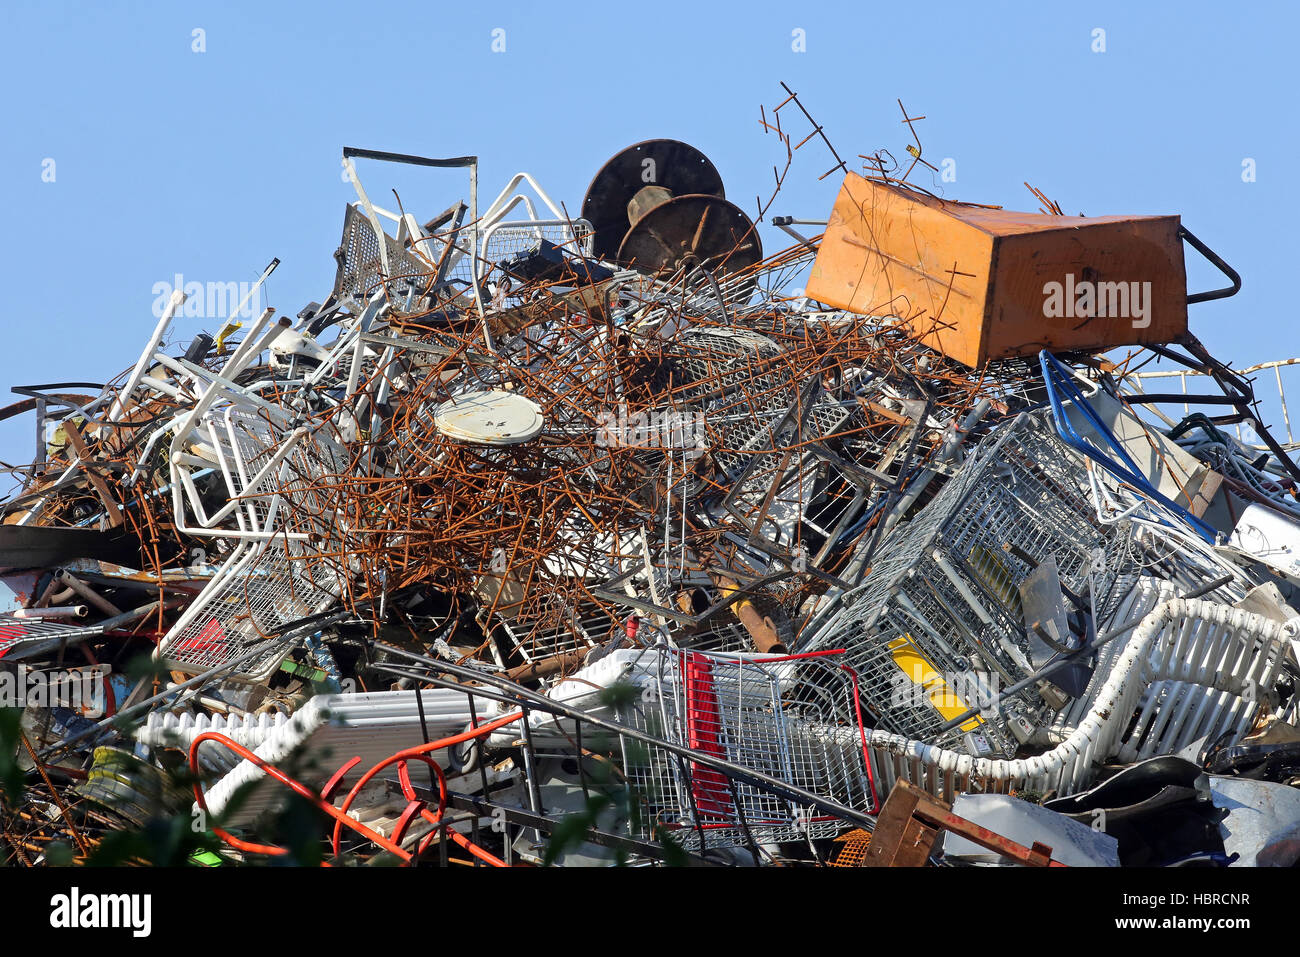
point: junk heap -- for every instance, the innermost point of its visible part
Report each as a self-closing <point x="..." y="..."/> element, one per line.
<point x="732" y="558"/>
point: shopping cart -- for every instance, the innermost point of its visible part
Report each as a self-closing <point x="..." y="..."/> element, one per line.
<point x="941" y="610"/>
<point x="774" y="715"/>
<point x="1192" y="671"/>
<point x="284" y="526"/>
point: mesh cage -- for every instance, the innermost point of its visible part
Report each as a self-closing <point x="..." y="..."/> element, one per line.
<point x="265" y="584"/>
<point x="775" y="716"/>
<point x="360" y="268"/>
<point x="938" y="625"/>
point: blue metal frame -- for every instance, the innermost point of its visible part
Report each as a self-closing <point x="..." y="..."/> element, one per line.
<point x="1060" y="382"/>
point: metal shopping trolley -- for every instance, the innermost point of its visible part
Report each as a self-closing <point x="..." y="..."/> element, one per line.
<point x="939" y="625"/>
<point x="774" y="715"/>
<point x="282" y="567"/>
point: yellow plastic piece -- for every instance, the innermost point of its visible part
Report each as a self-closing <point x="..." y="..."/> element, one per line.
<point x="919" y="669"/>
<point x="997" y="576"/>
<point x="229" y="330"/>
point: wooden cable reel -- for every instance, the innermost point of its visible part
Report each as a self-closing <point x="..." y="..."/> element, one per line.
<point x="659" y="207"/>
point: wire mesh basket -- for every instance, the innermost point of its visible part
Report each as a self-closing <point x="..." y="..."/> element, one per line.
<point x="772" y="715"/>
<point x="737" y="379"/>
<point x="504" y="239"/>
<point x="1191" y="671"/>
<point x="261" y="587"/>
<point x="938" y="623"/>
<point x="283" y="570"/>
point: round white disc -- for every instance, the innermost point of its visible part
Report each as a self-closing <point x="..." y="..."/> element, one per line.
<point x="489" y="418"/>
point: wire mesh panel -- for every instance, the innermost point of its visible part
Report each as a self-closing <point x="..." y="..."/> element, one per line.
<point x="556" y="626"/>
<point x="774" y="716"/>
<point x="733" y="382"/>
<point x="938" y="625"/>
<point x="266" y="583"/>
<point x="261" y="588"/>
<point x="735" y="375"/>
<point x="14" y="631"/>
<point x="360" y="268"/>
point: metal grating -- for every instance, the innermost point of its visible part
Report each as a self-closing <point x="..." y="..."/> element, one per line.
<point x="761" y="715"/>
<point x="360" y="268"/>
<point x="14" y="631"/>
<point x="943" y="587"/>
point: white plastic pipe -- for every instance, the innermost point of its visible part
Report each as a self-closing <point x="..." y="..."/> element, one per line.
<point x="62" y="611"/>
<point x="119" y="404"/>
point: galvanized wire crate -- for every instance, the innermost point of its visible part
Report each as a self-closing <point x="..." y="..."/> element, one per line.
<point x="774" y="715"/>
<point x="942" y="597"/>
<point x="283" y="569"/>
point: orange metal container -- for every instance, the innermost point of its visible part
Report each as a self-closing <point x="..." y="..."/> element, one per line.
<point x="979" y="284"/>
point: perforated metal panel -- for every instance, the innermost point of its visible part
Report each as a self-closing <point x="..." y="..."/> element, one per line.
<point x="360" y="268"/>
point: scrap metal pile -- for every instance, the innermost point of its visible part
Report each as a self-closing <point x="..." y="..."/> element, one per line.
<point x="540" y="519"/>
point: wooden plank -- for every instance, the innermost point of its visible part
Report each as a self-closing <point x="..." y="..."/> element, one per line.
<point x="899" y="838"/>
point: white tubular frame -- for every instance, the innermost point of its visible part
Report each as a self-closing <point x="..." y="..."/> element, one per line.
<point x="499" y="207"/>
<point x="1190" y="669"/>
<point x="123" y="397"/>
<point x="222" y="385"/>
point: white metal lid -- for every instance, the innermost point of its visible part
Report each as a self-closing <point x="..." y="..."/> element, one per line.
<point x="489" y="418"/>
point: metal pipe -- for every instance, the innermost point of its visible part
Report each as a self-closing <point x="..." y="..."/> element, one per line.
<point x="119" y="404"/>
<point x="62" y="611"/>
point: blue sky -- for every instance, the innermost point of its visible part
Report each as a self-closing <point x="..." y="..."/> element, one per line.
<point x="209" y="164"/>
